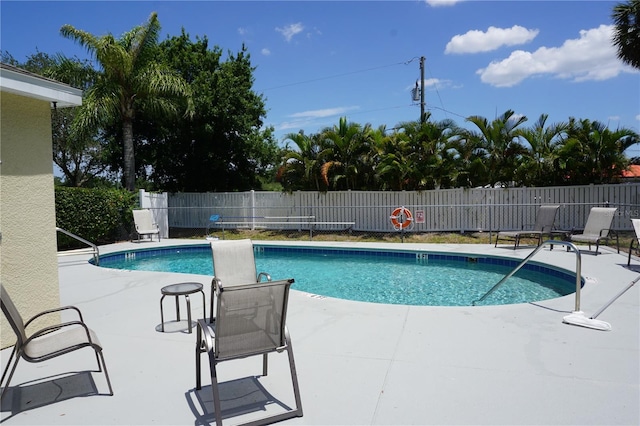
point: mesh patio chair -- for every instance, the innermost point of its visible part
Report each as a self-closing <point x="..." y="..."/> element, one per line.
<point x="48" y="342"/>
<point x="598" y="228"/>
<point x="233" y="264"/>
<point x="545" y="218"/>
<point x="145" y="225"/>
<point x="250" y="320"/>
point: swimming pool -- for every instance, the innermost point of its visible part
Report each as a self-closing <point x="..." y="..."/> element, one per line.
<point x="407" y="277"/>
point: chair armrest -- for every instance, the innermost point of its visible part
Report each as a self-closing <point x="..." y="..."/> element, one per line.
<point x="207" y="334"/>
<point x="57" y="327"/>
<point x="602" y="231"/>
<point x="215" y="283"/>
<point x="50" y="311"/>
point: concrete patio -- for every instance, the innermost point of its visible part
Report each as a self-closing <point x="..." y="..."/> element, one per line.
<point x="358" y="363"/>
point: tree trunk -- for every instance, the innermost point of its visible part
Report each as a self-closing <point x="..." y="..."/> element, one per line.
<point x="129" y="156"/>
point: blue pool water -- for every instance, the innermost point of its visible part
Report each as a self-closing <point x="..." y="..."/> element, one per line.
<point x="397" y="277"/>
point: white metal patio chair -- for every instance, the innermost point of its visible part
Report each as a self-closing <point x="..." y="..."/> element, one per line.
<point x="250" y="320"/>
<point x="545" y="217"/>
<point x="145" y="224"/>
<point x="233" y="264"/>
<point x="48" y="342"/>
<point x="598" y="228"/>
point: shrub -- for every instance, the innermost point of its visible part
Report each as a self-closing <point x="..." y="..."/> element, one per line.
<point x="101" y="216"/>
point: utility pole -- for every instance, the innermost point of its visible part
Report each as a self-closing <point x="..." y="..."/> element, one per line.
<point x="422" y="116"/>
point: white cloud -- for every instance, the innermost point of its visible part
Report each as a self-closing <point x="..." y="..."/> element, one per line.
<point x="638" y="117"/>
<point x="265" y="51"/>
<point x="589" y="57"/>
<point x="290" y="30"/>
<point x="436" y="3"/>
<point x="321" y="113"/>
<point x="242" y="31"/>
<point x="475" y="41"/>
<point x="307" y="118"/>
<point x="435" y="83"/>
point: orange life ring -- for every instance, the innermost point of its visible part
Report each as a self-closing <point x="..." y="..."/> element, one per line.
<point x="395" y="216"/>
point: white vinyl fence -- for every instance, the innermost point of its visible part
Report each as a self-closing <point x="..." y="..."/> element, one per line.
<point x="458" y="210"/>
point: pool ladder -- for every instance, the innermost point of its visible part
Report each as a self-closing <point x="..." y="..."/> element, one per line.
<point x="533" y="253"/>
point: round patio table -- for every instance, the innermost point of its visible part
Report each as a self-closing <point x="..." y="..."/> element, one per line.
<point x="182" y="289"/>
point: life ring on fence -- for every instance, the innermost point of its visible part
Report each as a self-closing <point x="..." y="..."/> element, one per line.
<point x="396" y="215"/>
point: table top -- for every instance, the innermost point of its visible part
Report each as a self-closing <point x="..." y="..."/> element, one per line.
<point x="181" y="288"/>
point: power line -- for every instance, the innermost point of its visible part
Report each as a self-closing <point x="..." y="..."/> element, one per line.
<point x="335" y="76"/>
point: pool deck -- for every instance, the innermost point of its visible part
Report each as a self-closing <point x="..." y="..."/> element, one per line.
<point x="358" y="363"/>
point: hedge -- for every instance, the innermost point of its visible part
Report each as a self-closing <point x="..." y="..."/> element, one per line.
<point x="101" y="216"/>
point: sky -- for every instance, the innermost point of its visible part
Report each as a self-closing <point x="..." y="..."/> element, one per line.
<point x="317" y="61"/>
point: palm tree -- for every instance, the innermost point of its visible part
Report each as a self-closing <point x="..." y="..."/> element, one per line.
<point x="345" y="144"/>
<point x="395" y="166"/>
<point x="538" y="167"/>
<point x="301" y="168"/>
<point x="502" y="150"/>
<point x="593" y="153"/>
<point x="626" y="35"/>
<point x="433" y="151"/>
<point x="131" y="80"/>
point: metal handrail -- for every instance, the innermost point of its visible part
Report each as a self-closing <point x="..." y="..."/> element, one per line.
<point x="533" y="253"/>
<point x="94" y="248"/>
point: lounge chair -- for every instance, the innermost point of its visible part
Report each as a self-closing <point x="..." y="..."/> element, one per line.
<point x="145" y="225"/>
<point x="545" y="217"/>
<point x="636" y="239"/>
<point x="48" y="342"/>
<point x="233" y="264"/>
<point x="598" y="228"/>
<point x="250" y="320"/>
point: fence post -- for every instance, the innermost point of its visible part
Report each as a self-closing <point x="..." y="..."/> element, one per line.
<point x="253" y="210"/>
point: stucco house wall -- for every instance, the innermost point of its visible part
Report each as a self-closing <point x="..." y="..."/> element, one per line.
<point x="28" y="249"/>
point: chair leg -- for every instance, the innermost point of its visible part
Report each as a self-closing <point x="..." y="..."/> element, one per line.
<point x="294" y="375"/>
<point x="186" y="296"/>
<point x="265" y="362"/>
<point x="211" y="304"/>
<point x="15" y="364"/>
<point x="106" y="373"/>
<point x="216" y="391"/>
<point x="161" y="314"/>
<point x="199" y="352"/>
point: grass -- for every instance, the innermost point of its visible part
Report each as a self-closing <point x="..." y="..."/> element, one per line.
<point x="393" y="237"/>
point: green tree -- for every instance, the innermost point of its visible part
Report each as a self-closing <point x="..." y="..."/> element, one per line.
<point x="502" y="151"/>
<point x="345" y="144"/>
<point x="592" y="153"/>
<point x="539" y="166"/>
<point x="223" y="145"/>
<point x="432" y="156"/>
<point x="301" y="164"/>
<point x="132" y="80"/>
<point x="626" y="35"/>
<point x="395" y="166"/>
